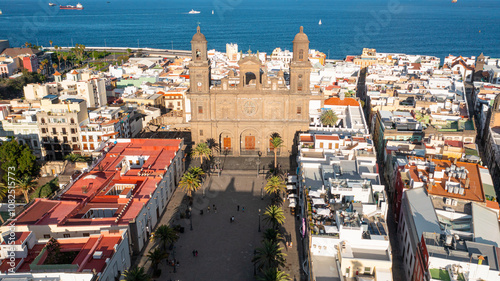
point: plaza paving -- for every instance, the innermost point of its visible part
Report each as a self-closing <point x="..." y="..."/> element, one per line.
<point x="225" y="249"/>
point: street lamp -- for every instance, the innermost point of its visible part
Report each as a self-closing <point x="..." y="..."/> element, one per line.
<point x="190" y="218"/>
<point x="259" y="220"/>
<point x="175" y="264"/>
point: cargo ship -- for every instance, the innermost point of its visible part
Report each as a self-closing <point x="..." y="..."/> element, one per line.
<point x="52" y="4"/>
<point x="70" y="7"/>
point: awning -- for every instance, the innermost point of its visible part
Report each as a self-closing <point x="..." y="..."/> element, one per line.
<point x="314" y="194"/>
<point x="293" y="195"/>
<point x="292" y="179"/>
<point x="293" y="203"/>
<point x="323" y="212"/>
<point x="290" y="187"/>
<point x="318" y="201"/>
<point x="330" y="229"/>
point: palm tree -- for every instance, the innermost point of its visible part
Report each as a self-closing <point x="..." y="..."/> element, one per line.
<point x="65" y="58"/>
<point x="213" y="145"/>
<point x="276" y="142"/>
<point x="270" y="255"/>
<point x="156" y="256"/>
<point x="201" y="150"/>
<point x="274" y="274"/>
<point x="136" y="274"/>
<point x="274" y="215"/>
<point x="275" y="185"/>
<point x="166" y="235"/>
<point x="273" y="235"/>
<point x="197" y="172"/>
<point x="50" y="42"/>
<point x="26" y="184"/>
<point x="189" y="183"/>
<point x="328" y="117"/>
<point x="54" y="66"/>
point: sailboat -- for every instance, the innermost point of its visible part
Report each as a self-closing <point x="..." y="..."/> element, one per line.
<point x="212" y="12"/>
<point x="319" y="23"/>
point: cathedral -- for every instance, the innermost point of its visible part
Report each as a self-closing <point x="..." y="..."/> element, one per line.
<point x="242" y="112"/>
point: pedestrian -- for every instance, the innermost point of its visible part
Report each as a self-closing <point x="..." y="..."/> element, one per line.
<point x="214" y="206"/>
<point x="177" y="264"/>
<point x="232" y="218"/>
<point x="238" y="208"/>
<point x="243" y="209"/>
<point x="196" y="253"/>
<point x="201" y="212"/>
<point x="215" y="210"/>
<point x="208" y="210"/>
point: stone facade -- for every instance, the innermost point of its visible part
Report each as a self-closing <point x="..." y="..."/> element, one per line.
<point x="244" y="111"/>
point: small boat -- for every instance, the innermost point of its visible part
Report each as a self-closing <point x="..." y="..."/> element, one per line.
<point x="69" y="7"/>
<point x="52" y="4"/>
<point x="212" y="12"/>
<point x="454" y="1"/>
<point x="0" y="12"/>
<point x="194" y="12"/>
<point x="319" y="23"/>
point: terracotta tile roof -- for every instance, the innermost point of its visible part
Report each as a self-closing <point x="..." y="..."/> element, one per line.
<point x="473" y="193"/>
<point x="306" y="138"/>
<point x="74" y="72"/>
<point x="57" y="73"/>
<point x="326" y="137"/>
<point x="344" y="102"/>
<point x="14" y="52"/>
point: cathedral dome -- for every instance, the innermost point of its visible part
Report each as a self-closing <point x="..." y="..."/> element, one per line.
<point x="198" y="36"/>
<point x="301" y="36"/>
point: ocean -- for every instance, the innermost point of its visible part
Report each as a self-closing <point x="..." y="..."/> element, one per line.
<point x="429" y="27"/>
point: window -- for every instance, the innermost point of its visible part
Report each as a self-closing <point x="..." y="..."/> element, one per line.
<point x="54" y="130"/>
<point x="198" y="54"/>
<point x="368" y="270"/>
<point x="66" y="235"/>
<point x="200" y="109"/>
<point x="320" y="145"/>
<point x="44" y="131"/>
<point x="76" y="147"/>
<point x="299" y="110"/>
<point x="299" y="86"/>
<point x="301" y="54"/>
<point x="84" y="138"/>
<point x="64" y="131"/>
<point x="85" y="147"/>
<point x="92" y="146"/>
<point x="46" y="236"/>
<point x="45" y="139"/>
<point x="42" y="120"/>
<point x="98" y="138"/>
<point x="91" y="138"/>
<point x="178" y="103"/>
<point x="74" y="139"/>
<point x="56" y="139"/>
<point x="35" y="143"/>
<point x="330" y="145"/>
<point x="201" y="132"/>
<point x="65" y="139"/>
<point x="85" y="234"/>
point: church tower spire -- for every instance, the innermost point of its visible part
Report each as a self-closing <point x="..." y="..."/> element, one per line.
<point x="300" y="68"/>
<point x="199" y="68"/>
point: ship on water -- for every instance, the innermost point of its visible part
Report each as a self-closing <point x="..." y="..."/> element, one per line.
<point x="52" y="4"/>
<point x="194" y="12"/>
<point x="70" y="7"/>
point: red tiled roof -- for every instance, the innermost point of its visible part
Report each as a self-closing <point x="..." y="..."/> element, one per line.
<point x="57" y="73"/>
<point x="326" y="137"/>
<point x="306" y="138"/>
<point x="344" y="102"/>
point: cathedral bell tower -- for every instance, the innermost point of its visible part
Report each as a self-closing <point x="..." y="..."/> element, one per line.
<point x="199" y="68"/>
<point x="300" y="68"/>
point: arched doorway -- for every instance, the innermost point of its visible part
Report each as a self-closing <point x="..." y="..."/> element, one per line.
<point x="250" y="79"/>
<point x="226" y="143"/>
<point x="249" y="144"/>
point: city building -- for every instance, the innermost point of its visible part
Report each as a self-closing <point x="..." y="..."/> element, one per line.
<point x="128" y="188"/>
<point x="104" y="256"/>
<point x="59" y="122"/>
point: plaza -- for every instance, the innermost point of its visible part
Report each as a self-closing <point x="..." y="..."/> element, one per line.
<point x="225" y="248"/>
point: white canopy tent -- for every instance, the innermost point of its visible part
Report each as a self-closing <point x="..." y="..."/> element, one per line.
<point x="318" y="201"/>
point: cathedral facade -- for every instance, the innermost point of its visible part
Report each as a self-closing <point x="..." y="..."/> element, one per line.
<point x="244" y="111"/>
